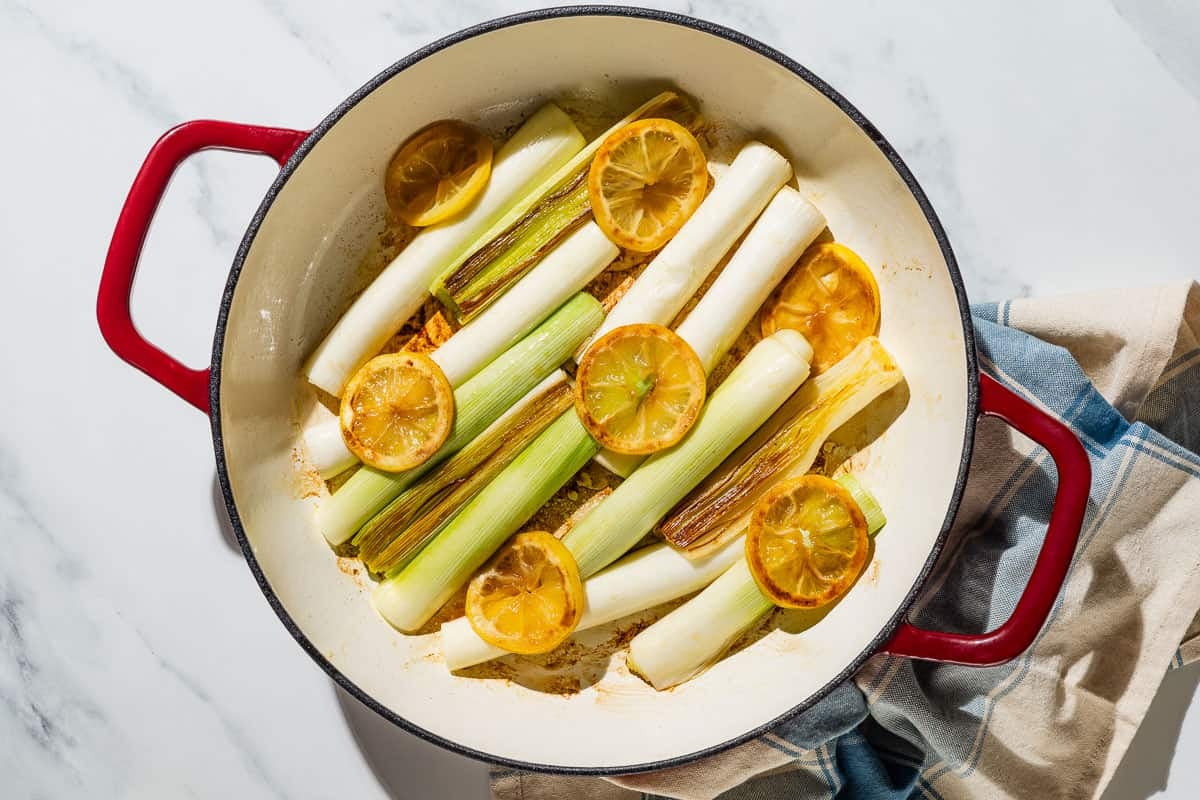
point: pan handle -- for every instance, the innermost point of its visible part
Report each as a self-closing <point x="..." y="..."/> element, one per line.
<point x="1070" y="502"/>
<point x="116" y="281"/>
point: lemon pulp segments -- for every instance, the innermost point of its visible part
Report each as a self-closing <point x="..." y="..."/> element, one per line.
<point x="639" y="388"/>
<point x="529" y="598"/>
<point x="807" y="542"/>
<point x="646" y="180"/>
<point x="831" y="297"/>
<point x="397" y="411"/>
<point x="437" y="172"/>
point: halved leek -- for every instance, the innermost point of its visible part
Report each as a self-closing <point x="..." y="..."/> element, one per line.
<point x="545" y="142"/>
<point x="764" y="379"/>
<point x="393" y="536"/>
<point x="787" y="226"/>
<point x="692" y="637"/>
<point x="511" y="246"/>
<point x="568" y="268"/>
<point x="486" y="274"/>
<point x="478" y="403"/>
<point x="641" y="580"/>
<point x="408" y="599"/>
<point x="784" y="447"/>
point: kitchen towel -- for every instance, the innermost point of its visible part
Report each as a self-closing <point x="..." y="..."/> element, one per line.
<point x="1122" y="369"/>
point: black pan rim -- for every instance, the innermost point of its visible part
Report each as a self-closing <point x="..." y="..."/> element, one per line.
<point x="532" y="17"/>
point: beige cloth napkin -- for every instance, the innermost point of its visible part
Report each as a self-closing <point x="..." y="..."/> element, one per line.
<point x="1056" y="722"/>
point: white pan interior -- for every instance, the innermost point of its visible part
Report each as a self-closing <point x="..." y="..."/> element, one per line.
<point x="297" y="274"/>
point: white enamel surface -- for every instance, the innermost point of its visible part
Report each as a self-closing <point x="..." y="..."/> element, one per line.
<point x="329" y="208"/>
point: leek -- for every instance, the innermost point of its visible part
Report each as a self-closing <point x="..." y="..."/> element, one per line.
<point x="641" y="580"/>
<point x="785" y="446"/>
<point x="396" y="534"/>
<point x="410" y="598"/>
<point x="511" y="246"/>
<point x="788" y="225"/>
<point x="872" y="511"/>
<point x="689" y="639"/>
<point x="686" y="641"/>
<point x="764" y="379"/>
<point x="679" y="269"/>
<point x="488" y="272"/>
<point x="323" y="443"/>
<point x="477" y="404"/>
<point x="545" y="142"/>
<point x="566" y="270"/>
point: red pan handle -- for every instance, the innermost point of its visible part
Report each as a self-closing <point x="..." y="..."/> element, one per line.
<point x="1070" y="502"/>
<point x="116" y="282"/>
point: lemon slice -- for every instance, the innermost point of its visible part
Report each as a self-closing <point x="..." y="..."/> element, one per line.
<point x="529" y="597"/>
<point x="437" y="172"/>
<point x="639" y="388"/>
<point x="831" y="297"/>
<point x="397" y="411"/>
<point x="645" y="181"/>
<point x="807" y="542"/>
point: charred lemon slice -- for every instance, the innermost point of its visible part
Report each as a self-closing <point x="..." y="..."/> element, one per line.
<point x="529" y="597"/>
<point x="437" y="172"/>
<point x="645" y="181"/>
<point x="831" y="297"/>
<point x="639" y="388"/>
<point x="807" y="542"/>
<point x="397" y="411"/>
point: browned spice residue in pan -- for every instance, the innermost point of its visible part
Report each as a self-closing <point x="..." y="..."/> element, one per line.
<point x="350" y="566"/>
<point x="307" y="481"/>
<point x="872" y="575"/>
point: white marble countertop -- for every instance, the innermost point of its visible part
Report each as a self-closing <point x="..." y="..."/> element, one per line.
<point x="1059" y="142"/>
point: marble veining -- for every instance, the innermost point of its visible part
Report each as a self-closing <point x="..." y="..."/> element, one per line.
<point x="132" y="85"/>
<point x="1060" y="144"/>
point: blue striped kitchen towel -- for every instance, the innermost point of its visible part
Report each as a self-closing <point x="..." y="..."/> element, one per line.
<point x="1123" y="370"/>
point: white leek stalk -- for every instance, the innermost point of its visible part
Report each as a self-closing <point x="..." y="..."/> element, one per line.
<point x="683" y="643"/>
<point x="477" y="404"/>
<point x="676" y="273"/>
<point x="568" y="268"/>
<point x="545" y="142"/>
<point x="760" y="384"/>
<point x="411" y="597"/>
<point x="787" y="226"/>
<point x="693" y="636"/>
<point x="323" y="443"/>
<point x="643" y="579"/>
